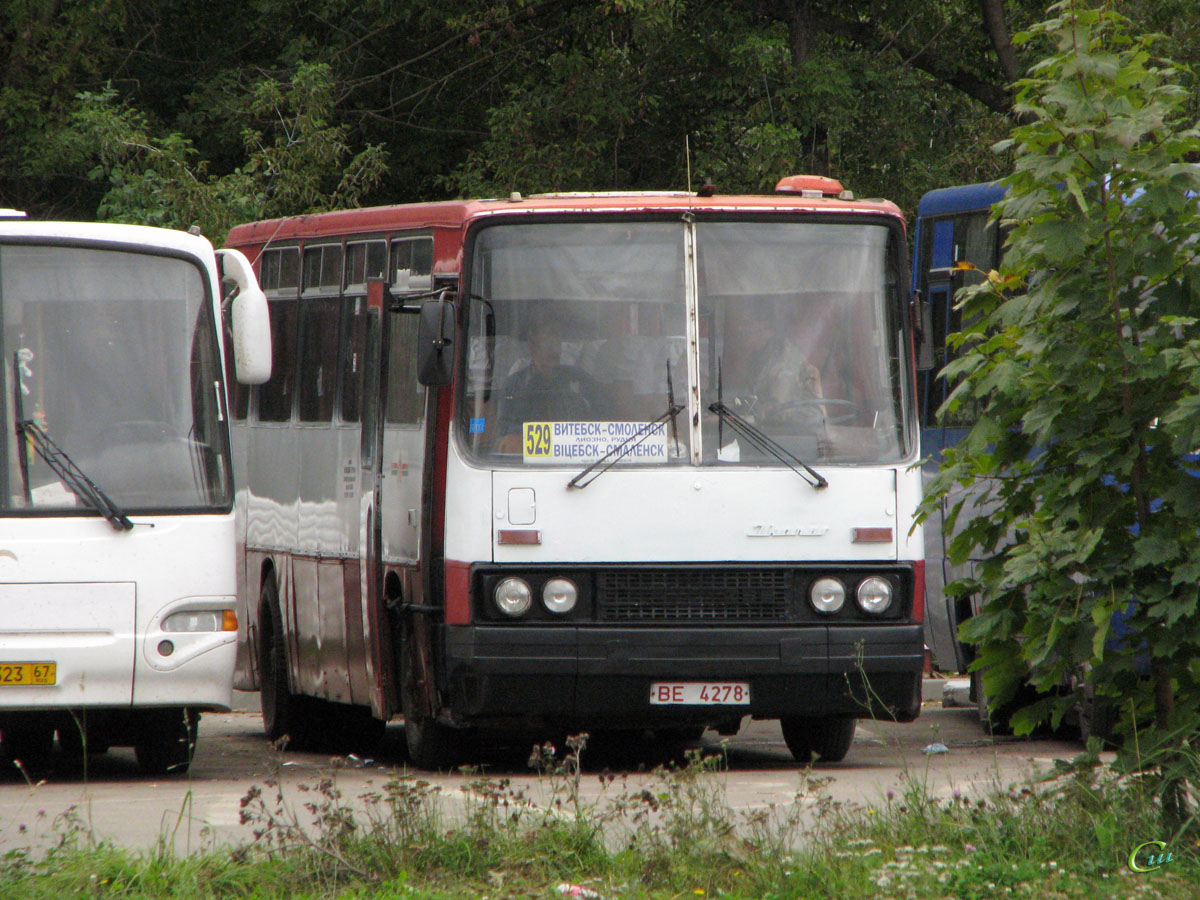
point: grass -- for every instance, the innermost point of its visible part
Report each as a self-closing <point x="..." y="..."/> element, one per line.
<point x="1068" y="836"/>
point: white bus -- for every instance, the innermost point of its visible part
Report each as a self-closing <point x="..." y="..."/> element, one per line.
<point x="629" y="462"/>
<point x="117" y="572"/>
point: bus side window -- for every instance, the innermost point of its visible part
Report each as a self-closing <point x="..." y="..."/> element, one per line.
<point x="354" y="354"/>
<point x="318" y="359"/>
<point x="411" y="270"/>
<point x="405" y="395"/>
<point x="275" y="397"/>
<point x="279" y="277"/>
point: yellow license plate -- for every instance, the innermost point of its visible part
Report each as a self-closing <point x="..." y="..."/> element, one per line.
<point x="27" y="673"/>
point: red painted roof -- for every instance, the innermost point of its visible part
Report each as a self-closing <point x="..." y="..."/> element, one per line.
<point x="457" y="213"/>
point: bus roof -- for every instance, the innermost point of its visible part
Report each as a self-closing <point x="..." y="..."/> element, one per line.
<point x="135" y="236"/>
<point x="457" y="213"/>
<point x="961" y="198"/>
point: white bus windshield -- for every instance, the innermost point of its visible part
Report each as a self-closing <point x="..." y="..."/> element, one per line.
<point x="578" y="335"/>
<point x="113" y="356"/>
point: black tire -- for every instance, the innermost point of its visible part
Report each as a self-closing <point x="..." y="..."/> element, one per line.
<point x="283" y="713"/>
<point x="431" y="745"/>
<point x="167" y="741"/>
<point x="28" y="740"/>
<point x="827" y="737"/>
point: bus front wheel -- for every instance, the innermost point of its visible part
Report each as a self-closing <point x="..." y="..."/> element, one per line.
<point x="827" y="737"/>
<point x="167" y="741"/>
<point x="27" y="739"/>
<point x="282" y="711"/>
<point x="431" y="745"/>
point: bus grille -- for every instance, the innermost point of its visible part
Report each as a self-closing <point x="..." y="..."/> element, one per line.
<point x="693" y="595"/>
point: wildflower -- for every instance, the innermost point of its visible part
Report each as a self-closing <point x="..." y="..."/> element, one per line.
<point x="969" y="848"/>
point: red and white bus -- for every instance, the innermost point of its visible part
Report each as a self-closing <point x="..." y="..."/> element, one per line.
<point x="637" y="461"/>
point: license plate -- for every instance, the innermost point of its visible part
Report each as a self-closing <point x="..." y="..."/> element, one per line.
<point x="699" y="693"/>
<point x="12" y="674"/>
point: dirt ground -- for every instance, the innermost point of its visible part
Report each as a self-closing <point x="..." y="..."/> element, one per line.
<point x="112" y="801"/>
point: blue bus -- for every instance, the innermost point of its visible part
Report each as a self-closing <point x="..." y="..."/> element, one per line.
<point x="953" y="226"/>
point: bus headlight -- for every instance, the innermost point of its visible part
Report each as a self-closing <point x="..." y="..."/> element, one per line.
<point x="513" y="597"/>
<point x="559" y="595"/>
<point x="827" y="595"/>
<point x="874" y="595"/>
<point x="201" y="620"/>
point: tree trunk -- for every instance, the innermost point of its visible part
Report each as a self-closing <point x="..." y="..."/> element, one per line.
<point x="997" y="29"/>
<point x="799" y="31"/>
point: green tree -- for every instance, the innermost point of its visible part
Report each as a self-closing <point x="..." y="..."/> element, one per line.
<point x="1081" y="352"/>
<point x="642" y="94"/>
<point x="488" y="96"/>
<point x="296" y="161"/>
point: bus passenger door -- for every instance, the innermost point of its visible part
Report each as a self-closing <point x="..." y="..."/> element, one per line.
<point x="370" y="566"/>
<point x="401" y="480"/>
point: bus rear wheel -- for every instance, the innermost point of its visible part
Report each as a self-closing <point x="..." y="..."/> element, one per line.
<point x="827" y="737"/>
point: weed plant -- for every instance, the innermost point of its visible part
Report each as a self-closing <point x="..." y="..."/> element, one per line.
<point x="1068" y="835"/>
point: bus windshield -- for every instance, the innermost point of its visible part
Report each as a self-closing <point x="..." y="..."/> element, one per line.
<point x="578" y="335"/>
<point x="113" y="356"/>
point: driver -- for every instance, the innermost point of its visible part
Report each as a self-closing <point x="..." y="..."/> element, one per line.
<point x="545" y="390"/>
<point x="770" y="367"/>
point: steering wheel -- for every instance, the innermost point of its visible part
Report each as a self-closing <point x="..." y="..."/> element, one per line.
<point x="850" y="409"/>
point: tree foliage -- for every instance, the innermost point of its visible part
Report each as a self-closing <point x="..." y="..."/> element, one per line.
<point x="443" y="97"/>
<point x="1082" y="355"/>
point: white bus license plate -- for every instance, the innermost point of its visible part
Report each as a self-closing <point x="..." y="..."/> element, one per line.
<point x="699" y="693"/>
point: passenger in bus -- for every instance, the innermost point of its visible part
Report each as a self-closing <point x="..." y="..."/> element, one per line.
<point x="766" y="373"/>
<point x="545" y="390"/>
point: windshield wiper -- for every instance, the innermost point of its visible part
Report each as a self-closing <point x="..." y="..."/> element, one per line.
<point x="63" y="466"/>
<point x="760" y="440"/>
<point x="86" y="489"/>
<point x="623" y="449"/>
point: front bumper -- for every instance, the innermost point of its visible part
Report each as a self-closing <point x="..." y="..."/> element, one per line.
<point x="599" y="677"/>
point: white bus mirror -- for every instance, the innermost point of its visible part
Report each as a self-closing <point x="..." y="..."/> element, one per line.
<point x="250" y="319"/>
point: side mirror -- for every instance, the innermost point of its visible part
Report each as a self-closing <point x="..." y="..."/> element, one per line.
<point x="435" y="342"/>
<point x="922" y="322"/>
<point x="249" y="317"/>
